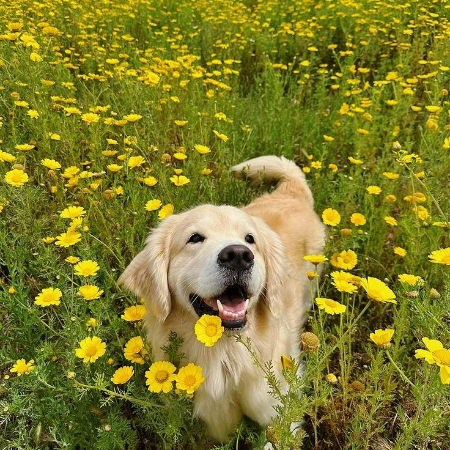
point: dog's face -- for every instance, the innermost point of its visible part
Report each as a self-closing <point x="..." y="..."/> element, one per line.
<point x="214" y="260"/>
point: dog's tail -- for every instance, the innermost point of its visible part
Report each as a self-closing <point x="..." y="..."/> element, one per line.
<point x="291" y="180"/>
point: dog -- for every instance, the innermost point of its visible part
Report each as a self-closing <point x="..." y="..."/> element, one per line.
<point x="244" y="265"/>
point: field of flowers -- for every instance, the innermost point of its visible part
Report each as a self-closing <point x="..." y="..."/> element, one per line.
<point x="115" y="114"/>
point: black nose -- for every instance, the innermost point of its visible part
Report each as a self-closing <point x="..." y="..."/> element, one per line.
<point x="236" y="257"/>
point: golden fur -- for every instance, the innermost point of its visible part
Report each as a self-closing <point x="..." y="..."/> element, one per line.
<point x="169" y="269"/>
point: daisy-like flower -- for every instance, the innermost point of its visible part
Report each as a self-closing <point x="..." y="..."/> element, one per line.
<point x="72" y="259"/>
<point x="72" y="212"/>
<point x="390" y="221"/>
<point x="48" y="296"/>
<point x="165" y="211"/>
<point x="89" y="118"/>
<point x="344" y="286"/>
<point x="122" y="375"/>
<point x="347" y="260"/>
<point x="189" y="378"/>
<point x="153" y="205"/>
<point x="382" y="338"/>
<point x="48" y="240"/>
<point x="411" y="280"/>
<point x="16" y="177"/>
<point x="160" y="376"/>
<point x="222" y="137"/>
<point x="315" y="259"/>
<point x="286" y="362"/>
<point x="208" y="329"/>
<point x="135" y="161"/>
<point x="441" y="256"/>
<point x="133" y="313"/>
<point x="134" y="350"/>
<point x="148" y="181"/>
<point x="6" y="157"/>
<point x="24" y="147"/>
<point x="202" y="149"/>
<point x="91" y="348"/>
<point x="68" y="239"/>
<point x="114" y="167"/>
<point x="90" y="292"/>
<point x="331" y="217"/>
<point x="436" y="354"/>
<point x="377" y="290"/>
<point x="400" y="251"/>
<point x="86" y="268"/>
<point x="330" y="306"/>
<point x="51" y="164"/>
<point x="358" y="219"/>
<point x="180" y="123"/>
<point x="179" y="180"/>
<point x="373" y="190"/>
<point x="132" y="117"/>
<point x="23" y="368"/>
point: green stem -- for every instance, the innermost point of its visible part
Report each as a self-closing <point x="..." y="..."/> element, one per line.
<point x="400" y="371"/>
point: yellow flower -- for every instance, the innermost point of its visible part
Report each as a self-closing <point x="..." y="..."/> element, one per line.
<point x="133" y="313"/>
<point x="33" y="114"/>
<point x="344" y="286"/>
<point x="132" y="117"/>
<point x="122" y="375"/>
<point x="373" y="190"/>
<point x="377" y="290"/>
<point x="135" y="161"/>
<point x="49" y="296"/>
<point x="390" y="221"/>
<point x="358" y="219"/>
<point x="331" y="217"/>
<point x="160" y="376"/>
<point x="202" y="149"/>
<point x="181" y="123"/>
<point x="23" y="368"/>
<point x="114" y="167"/>
<point x="16" y="177"/>
<point x="51" y="164"/>
<point x="411" y="280"/>
<point x="400" y="251"/>
<point x="209" y="329"/>
<point x="90" y="292"/>
<point x="382" y="338"/>
<point x="149" y="181"/>
<point x="72" y="212"/>
<point x="391" y="175"/>
<point x="328" y="138"/>
<point x="355" y="161"/>
<point x="315" y="259"/>
<point x="48" y="240"/>
<point x="72" y="259"/>
<point x="68" y="239"/>
<point x="179" y="180"/>
<point x="90" y="118"/>
<point x="347" y="260"/>
<point x="153" y="205"/>
<point x="91" y="349"/>
<point x="330" y="306"/>
<point x="441" y="256"/>
<point x="189" y="378"/>
<point x="433" y="346"/>
<point x="24" y="147"/>
<point x="222" y="137"/>
<point x="165" y="211"/>
<point x="286" y="362"/>
<point x="390" y="198"/>
<point x="6" y="157"/>
<point x="86" y="268"/>
<point x="134" y="350"/>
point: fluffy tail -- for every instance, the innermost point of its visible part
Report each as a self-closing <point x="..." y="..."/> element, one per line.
<point x="291" y="180"/>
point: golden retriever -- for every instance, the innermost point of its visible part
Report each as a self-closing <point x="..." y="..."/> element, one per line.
<point x="244" y="265"/>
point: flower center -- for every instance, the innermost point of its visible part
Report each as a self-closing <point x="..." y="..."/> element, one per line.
<point x="161" y="376"/>
<point x="91" y="350"/>
<point x="190" y="380"/>
<point x="211" y="330"/>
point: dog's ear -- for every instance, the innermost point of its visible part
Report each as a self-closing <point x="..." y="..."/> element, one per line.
<point x="146" y="275"/>
<point x="276" y="265"/>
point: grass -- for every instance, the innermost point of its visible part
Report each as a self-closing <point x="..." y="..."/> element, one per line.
<point x="317" y="82"/>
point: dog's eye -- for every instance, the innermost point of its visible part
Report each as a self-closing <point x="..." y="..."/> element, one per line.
<point x="249" y="239"/>
<point x="195" y="238"/>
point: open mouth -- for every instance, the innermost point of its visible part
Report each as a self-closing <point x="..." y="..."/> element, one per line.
<point x="231" y="306"/>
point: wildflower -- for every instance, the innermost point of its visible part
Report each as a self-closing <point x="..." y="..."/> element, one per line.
<point x="160" y="376"/>
<point x="90" y="292"/>
<point x="331" y="217"/>
<point x="377" y="290"/>
<point x="331" y="378"/>
<point x="92" y="322"/>
<point x="153" y="205"/>
<point x="72" y="212"/>
<point x="51" y="164"/>
<point x="16" y="177"/>
<point x="358" y="219"/>
<point x="390" y="198"/>
<point x="132" y="117"/>
<point x="382" y="338"/>
<point x="411" y="280"/>
<point x="441" y="256"/>
<point x="133" y="313"/>
<point x="23" y="368"/>
<point x="135" y="161"/>
<point x="355" y="161"/>
<point x="6" y="157"/>
<point x="333" y="167"/>
<point x="89" y="118"/>
<point x="328" y="138"/>
<point x="48" y="240"/>
<point x="189" y="378"/>
<point x="309" y="342"/>
<point x="390" y="221"/>
<point x="134" y="350"/>
<point x="68" y="239"/>
<point x="86" y="268"/>
<point x="114" y="167"/>
<point x="208" y="329"/>
<point x="33" y="114"/>
<point x="49" y="296"/>
<point x="222" y="137"/>
<point x="391" y="175"/>
<point x="181" y="123"/>
<point x="122" y="375"/>
<point x="344" y="286"/>
<point x="400" y="251"/>
<point x="202" y="149"/>
<point x="373" y="190"/>
<point x="315" y="259"/>
<point x="286" y="362"/>
<point x="330" y="306"/>
<point x="179" y="180"/>
<point x="347" y="260"/>
<point x="165" y="211"/>
<point x="24" y="147"/>
<point x="91" y="349"/>
<point x="311" y="275"/>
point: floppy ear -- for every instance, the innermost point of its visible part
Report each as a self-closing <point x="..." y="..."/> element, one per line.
<point x="146" y="275"/>
<point x="276" y="265"/>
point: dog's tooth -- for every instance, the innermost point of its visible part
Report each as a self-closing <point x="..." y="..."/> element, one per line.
<point x="219" y="305"/>
<point x="246" y="304"/>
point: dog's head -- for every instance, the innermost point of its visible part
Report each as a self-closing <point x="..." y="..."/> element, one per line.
<point x="214" y="260"/>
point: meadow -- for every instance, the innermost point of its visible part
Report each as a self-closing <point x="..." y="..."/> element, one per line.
<point x="115" y="114"/>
